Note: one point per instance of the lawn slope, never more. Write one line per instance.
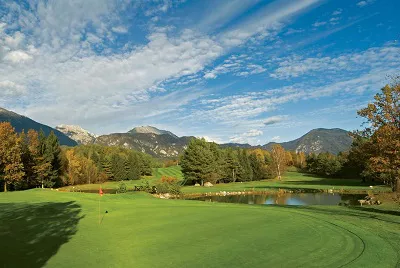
(61, 229)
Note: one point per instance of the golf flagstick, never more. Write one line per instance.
(100, 195)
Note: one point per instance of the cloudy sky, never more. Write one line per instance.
(230, 70)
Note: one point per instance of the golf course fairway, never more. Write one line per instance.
(58, 229)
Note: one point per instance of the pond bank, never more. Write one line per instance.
(274, 191)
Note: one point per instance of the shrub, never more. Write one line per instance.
(168, 180)
(168, 185)
(121, 188)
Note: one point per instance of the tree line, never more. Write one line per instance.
(374, 154)
(29, 160)
(204, 161)
(375, 151)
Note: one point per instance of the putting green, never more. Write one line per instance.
(142, 231)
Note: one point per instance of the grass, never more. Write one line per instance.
(291, 180)
(174, 171)
(59, 229)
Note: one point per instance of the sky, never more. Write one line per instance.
(229, 70)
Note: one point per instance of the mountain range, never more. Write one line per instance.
(165, 144)
(20, 123)
(319, 140)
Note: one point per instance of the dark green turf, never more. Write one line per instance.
(61, 230)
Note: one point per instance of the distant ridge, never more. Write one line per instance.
(20, 122)
(319, 140)
(150, 129)
(165, 144)
(162, 143)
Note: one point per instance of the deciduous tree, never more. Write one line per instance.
(383, 115)
(11, 166)
(278, 160)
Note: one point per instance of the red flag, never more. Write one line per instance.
(100, 192)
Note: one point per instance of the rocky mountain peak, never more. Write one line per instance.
(151, 130)
(77, 133)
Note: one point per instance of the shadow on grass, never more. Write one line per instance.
(30, 234)
(346, 181)
(382, 211)
(354, 211)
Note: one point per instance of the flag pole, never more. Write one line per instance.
(100, 194)
(99, 208)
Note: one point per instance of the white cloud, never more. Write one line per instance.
(319, 23)
(266, 19)
(253, 133)
(276, 139)
(210, 75)
(274, 120)
(221, 12)
(247, 137)
(362, 3)
(161, 6)
(119, 29)
(365, 3)
(17, 56)
(14, 41)
(295, 66)
(212, 139)
(334, 19)
(245, 110)
(337, 12)
(238, 65)
(62, 68)
(291, 31)
(9, 89)
(67, 63)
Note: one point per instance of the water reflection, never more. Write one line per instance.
(302, 199)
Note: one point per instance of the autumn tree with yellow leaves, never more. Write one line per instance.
(11, 166)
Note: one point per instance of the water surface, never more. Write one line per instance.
(294, 199)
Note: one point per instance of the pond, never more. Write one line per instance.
(291, 199)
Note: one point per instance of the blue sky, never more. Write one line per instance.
(230, 71)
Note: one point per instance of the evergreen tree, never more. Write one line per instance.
(118, 167)
(231, 165)
(256, 167)
(245, 172)
(52, 155)
(106, 166)
(146, 164)
(134, 167)
(197, 162)
(28, 162)
(41, 168)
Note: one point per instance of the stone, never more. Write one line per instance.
(208, 184)
(197, 185)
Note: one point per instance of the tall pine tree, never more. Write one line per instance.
(198, 162)
(52, 155)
